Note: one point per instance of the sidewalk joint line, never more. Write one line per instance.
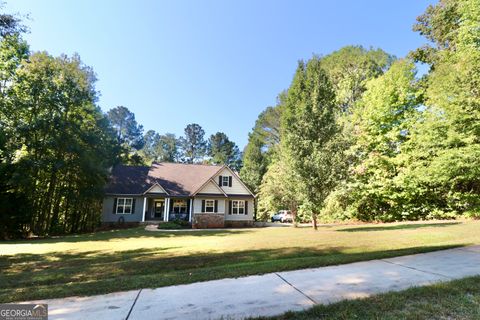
(133, 305)
(424, 271)
(291, 285)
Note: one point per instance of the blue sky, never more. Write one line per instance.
(216, 63)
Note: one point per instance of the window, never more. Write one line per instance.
(124, 205)
(238, 207)
(179, 206)
(225, 181)
(209, 205)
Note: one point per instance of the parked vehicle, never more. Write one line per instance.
(282, 216)
(277, 217)
(287, 217)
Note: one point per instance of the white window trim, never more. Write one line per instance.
(124, 206)
(208, 206)
(179, 206)
(227, 181)
(236, 207)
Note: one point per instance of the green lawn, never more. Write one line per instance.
(458, 299)
(134, 258)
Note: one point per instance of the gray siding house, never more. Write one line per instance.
(208, 196)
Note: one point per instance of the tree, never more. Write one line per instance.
(10, 24)
(444, 152)
(279, 189)
(167, 148)
(64, 145)
(193, 144)
(255, 163)
(438, 24)
(383, 122)
(262, 141)
(150, 141)
(308, 136)
(223, 151)
(350, 68)
(128, 132)
(162, 148)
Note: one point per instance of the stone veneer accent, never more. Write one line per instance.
(238, 224)
(208, 220)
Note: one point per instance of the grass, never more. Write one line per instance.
(134, 258)
(459, 299)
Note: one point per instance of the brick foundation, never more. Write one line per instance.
(238, 224)
(208, 220)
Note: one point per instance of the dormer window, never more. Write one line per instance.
(225, 181)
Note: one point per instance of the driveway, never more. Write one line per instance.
(273, 293)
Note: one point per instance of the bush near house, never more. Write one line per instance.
(174, 225)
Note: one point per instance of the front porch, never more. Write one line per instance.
(157, 208)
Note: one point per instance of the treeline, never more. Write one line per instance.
(360, 135)
(138, 148)
(55, 144)
(57, 147)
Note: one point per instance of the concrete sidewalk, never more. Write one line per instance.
(273, 293)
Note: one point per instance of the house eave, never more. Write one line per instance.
(124, 194)
(211, 195)
(240, 196)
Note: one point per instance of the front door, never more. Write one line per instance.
(159, 209)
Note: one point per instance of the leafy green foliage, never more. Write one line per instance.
(383, 121)
(350, 68)
(174, 225)
(223, 151)
(309, 131)
(193, 144)
(262, 142)
(396, 147)
(63, 143)
(277, 190)
(128, 132)
(161, 148)
(56, 145)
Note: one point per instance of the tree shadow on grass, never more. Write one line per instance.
(400, 227)
(139, 232)
(61, 274)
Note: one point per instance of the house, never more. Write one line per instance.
(208, 196)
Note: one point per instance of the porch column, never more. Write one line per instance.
(165, 211)
(144, 208)
(190, 211)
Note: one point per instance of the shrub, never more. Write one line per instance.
(174, 225)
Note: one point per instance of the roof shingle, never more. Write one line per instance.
(178, 179)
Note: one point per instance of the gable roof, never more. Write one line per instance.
(234, 173)
(177, 179)
(211, 182)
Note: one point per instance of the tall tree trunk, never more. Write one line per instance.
(53, 222)
(293, 210)
(47, 203)
(314, 221)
